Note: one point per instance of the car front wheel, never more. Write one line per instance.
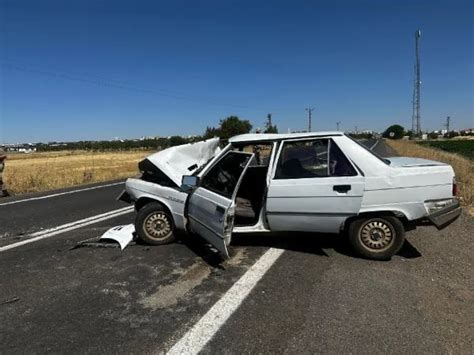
(377, 238)
(154, 225)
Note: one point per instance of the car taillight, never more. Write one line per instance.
(455, 188)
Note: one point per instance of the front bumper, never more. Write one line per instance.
(445, 216)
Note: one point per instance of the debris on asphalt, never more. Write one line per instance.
(121, 234)
(10, 300)
(95, 243)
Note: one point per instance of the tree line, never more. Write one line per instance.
(397, 131)
(228, 127)
(145, 144)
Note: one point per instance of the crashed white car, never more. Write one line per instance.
(320, 182)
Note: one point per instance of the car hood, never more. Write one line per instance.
(184, 159)
(412, 162)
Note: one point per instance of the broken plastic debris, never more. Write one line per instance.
(121, 234)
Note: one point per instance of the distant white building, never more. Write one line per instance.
(27, 150)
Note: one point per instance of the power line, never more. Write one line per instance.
(100, 81)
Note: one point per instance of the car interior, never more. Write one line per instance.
(301, 159)
(250, 196)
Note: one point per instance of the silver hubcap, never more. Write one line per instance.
(157, 225)
(376, 235)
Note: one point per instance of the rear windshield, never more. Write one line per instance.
(386, 161)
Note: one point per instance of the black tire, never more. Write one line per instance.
(154, 224)
(377, 238)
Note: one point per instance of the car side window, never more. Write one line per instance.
(312, 159)
(223, 177)
(339, 165)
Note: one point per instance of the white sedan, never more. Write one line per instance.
(322, 182)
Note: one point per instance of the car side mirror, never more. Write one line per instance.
(189, 182)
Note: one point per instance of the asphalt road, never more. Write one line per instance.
(317, 296)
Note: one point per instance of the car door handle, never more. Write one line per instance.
(341, 188)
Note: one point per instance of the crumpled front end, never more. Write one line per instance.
(167, 167)
(175, 162)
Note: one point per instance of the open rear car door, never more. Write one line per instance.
(210, 208)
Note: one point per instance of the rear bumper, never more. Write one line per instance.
(445, 216)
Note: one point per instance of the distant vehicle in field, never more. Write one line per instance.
(312, 182)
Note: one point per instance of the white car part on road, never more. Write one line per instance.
(121, 234)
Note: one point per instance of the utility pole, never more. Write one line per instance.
(310, 111)
(448, 120)
(269, 120)
(337, 124)
(416, 115)
(356, 129)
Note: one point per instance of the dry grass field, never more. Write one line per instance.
(52, 170)
(463, 167)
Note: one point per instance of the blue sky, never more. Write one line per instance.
(100, 69)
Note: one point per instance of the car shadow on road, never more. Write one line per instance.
(203, 250)
(409, 251)
(308, 243)
(311, 243)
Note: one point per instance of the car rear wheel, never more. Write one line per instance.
(377, 238)
(154, 224)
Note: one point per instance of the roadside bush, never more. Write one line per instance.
(394, 132)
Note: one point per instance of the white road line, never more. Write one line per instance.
(375, 144)
(68, 227)
(60, 194)
(203, 331)
(85, 220)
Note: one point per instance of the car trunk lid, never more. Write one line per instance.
(412, 162)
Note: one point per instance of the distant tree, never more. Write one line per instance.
(177, 140)
(408, 133)
(433, 135)
(228, 127)
(271, 129)
(232, 126)
(451, 134)
(211, 132)
(394, 132)
(362, 135)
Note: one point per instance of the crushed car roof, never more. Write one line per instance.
(253, 137)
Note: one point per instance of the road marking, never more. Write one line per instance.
(375, 144)
(68, 227)
(60, 194)
(203, 331)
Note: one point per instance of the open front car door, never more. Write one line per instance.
(211, 206)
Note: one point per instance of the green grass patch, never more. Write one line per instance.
(461, 147)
